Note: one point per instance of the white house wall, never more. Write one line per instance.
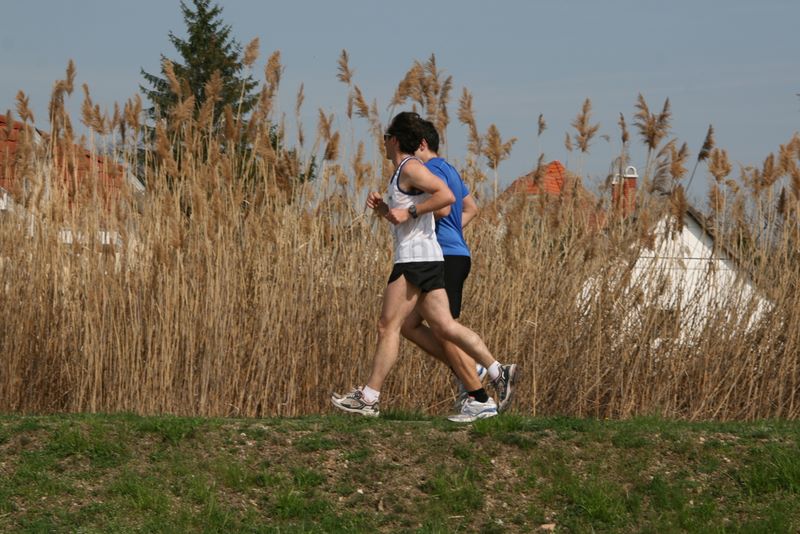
(686, 274)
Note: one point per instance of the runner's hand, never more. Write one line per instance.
(398, 215)
(375, 202)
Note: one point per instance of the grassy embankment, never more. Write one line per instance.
(404, 472)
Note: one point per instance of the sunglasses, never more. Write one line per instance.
(387, 136)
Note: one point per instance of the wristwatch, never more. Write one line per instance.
(413, 211)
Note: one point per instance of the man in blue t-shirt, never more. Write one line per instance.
(450, 222)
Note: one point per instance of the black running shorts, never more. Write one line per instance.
(456, 270)
(426, 275)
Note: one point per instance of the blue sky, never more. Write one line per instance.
(732, 63)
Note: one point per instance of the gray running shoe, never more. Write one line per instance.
(462, 391)
(354, 402)
(473, 410)
(504, 385)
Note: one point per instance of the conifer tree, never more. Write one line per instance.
(208, 47)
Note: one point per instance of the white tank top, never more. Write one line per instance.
(415, 239)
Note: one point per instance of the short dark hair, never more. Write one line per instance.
(430, 135)
(406, 126)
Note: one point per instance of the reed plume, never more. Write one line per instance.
(9, 124)
(467, 117)
(345, 75)
(332, 148)
(442, 119)
(361, 169)
(431, 88)
(660, 182)
(623, 128)
(794, 170)
(708, 144)
(324, 125)
(212, 94)
(361, 107)
(182, 113)
(678, 206)
(705, 151)
(23, 108)
(297, 107)
(719, 166)
(770, 172)
(91, 116)
(496, 150)
(273, 72)
(424, 84)
(678, 159)
(716, 199)
(783, 204)
(652, 127)
(585, 130)
(251, 52)
(69, 80)
(169, 71)
(410, 87)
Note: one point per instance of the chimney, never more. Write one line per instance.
(623, 191)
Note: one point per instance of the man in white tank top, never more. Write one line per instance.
(417, 278)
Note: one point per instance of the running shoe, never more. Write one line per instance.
(354, 402)
(504, 385)
(462, 391)
(473, 410)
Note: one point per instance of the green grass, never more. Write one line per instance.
(408, 473)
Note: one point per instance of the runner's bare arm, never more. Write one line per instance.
(416, 176)
(468, 211)
(442, 212)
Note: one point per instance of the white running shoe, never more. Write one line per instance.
(504, 385)
(354, 402)
(462, 391)
(473, 410)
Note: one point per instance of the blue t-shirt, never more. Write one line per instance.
(448, 229)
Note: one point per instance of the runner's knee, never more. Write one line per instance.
(409, 325)
(387, 326)
(445, 328)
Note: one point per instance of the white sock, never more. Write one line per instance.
(494, 370)
(370, 395)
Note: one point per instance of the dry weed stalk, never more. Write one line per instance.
(585, 130)
(345, 74)
(652, 127)
(623, 128)
(251, 52)
(23, 108)
(719, 167)
(297, 107)
(467, 117)
(496, 150)
(704, 153)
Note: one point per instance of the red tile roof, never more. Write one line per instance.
(78, 166)
(9, 139)
(557, 183)
(552, 181)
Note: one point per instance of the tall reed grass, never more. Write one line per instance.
(240, 290)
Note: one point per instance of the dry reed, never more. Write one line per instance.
(259, 297)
